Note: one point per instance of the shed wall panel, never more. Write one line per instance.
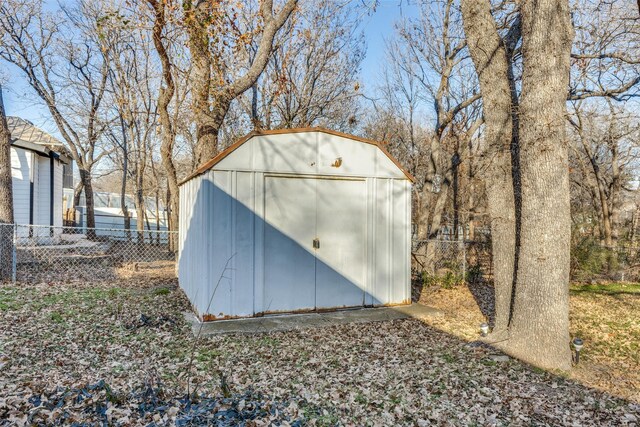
(289, 153)
(289, 261)
(357, 158)
(193, 268)
(242, 297)
(400, 235)
(259, 303)
(218, 237)
(338, 155)
(311, 153)
(42, 203)
(382, 243)
(58, 194)
(341, 229)
(20, 169)
(371, 242)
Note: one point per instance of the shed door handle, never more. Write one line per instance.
(316, 243)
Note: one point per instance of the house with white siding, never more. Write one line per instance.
(39, 164)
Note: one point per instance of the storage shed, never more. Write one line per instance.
(295, 220)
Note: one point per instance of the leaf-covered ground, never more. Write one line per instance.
(119, 353)
(605, 316)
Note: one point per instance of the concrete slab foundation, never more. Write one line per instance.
(287, 322)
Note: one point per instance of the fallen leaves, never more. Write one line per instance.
(605, 318)
(118, 353)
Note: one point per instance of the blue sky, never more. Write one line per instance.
(20, 101)
(377, 28)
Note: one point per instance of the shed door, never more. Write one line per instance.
(341, 257)
(298, 211)
(289, 261)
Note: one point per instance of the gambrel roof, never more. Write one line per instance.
(224, 154)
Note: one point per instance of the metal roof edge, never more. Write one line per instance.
(31, 146)
(42, 150)
(216, 159)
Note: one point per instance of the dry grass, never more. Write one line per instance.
(606, 317)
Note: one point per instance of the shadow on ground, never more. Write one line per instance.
(484, 295)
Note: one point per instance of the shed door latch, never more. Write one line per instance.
(316, 243)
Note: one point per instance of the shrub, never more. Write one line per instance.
(444, 278)
(590, 260)
(474, 274)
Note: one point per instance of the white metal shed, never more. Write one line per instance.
(295, 220)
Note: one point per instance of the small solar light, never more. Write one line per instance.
(484, 328)
(577, 345)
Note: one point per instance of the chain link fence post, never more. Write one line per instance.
(6, 252)
(14, 254)
(464, 259)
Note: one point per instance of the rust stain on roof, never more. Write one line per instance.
(216, 159)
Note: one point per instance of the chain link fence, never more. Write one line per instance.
(33, 253)
(450, 262)
(593, 262)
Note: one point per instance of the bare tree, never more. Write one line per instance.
(133, 85)
(606, 52)
(605, 72)
(6, 195)
(121, 142)
(67, 67)
(311, 77)
(606, 152)
(492, 58)
(167, 126)
(429, 65)
(6, 183)
(536, 311)
(214, 85)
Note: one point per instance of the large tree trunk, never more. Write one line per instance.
(6, 197)
(123, 195)
(140, 202)
(207, 143)
(168, 131)
(208, 113)
(207, 128)
(85, 177)
(539, 329)
(535, 310)
(6, 182)
(490, 58)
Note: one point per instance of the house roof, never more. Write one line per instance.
(25, 134)
(215, 160)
